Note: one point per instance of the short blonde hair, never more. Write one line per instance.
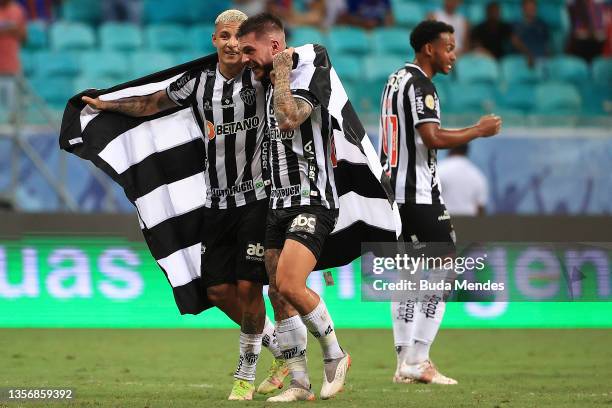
(231, 16)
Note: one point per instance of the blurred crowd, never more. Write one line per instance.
(590, 32)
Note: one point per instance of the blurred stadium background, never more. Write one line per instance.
(71, 255)
(552, 160)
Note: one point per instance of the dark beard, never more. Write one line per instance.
(267, 69)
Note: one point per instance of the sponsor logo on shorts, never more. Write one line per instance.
(445, 216)
(255, 252)
(238, 188)
(304, 223)
(286, 191)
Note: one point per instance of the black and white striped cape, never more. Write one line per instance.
(160, 161)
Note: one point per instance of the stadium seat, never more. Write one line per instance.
(147, 62)
(519, 97)
(602, 71)
(477, 68)
(349, 40)
(408, 15)
(71, 36)
(306, 35)
(379, 67)
(392, 41)
(442, 91)
(187, 56)
(348, 68)
(104, 64)
(36, 36)
(57, 64)
(470, 98)
(166, 11)
(515, 70)
(167, 37)
(555, 15)
(204, 11)
(55, 91)
(596, 99)
(567, 68)
(87, 11)
(557, 98)
(120, 36)
(200, 38)
(367, 95)
(97, 82)
(28, 62)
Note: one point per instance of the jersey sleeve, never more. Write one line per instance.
(183, 90)
(422, 98)
(300, 81)
(305, 95)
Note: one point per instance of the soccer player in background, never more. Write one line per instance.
(228, 102)
(303, 204)
(410, 136)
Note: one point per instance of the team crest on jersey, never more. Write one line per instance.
(210, 129)
(248, 95)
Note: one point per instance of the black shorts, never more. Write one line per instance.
(309, 225)
(426, 223)
(234, 244)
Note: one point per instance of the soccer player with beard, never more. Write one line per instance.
(303, 204)
(410, 136)
(228, 102)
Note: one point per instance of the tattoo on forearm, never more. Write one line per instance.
(290, 112)
(135, 106)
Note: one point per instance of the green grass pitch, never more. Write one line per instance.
(193, 368)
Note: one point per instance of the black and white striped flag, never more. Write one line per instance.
(160, 160)
(368, 212)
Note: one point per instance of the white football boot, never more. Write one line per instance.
(334, 375)
(425, 372)
(295, 392)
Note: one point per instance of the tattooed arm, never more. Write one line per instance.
(145, 105)
(290, 112)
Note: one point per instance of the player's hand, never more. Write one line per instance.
(489, 125)
(283, 59)
(94, 103)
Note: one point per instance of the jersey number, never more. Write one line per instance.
(389, 131)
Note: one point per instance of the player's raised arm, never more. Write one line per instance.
(436, 137)
(290, 111)
(137, 106)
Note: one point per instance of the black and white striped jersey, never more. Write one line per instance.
(409, 99)
(230, 113)
(301, 159)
